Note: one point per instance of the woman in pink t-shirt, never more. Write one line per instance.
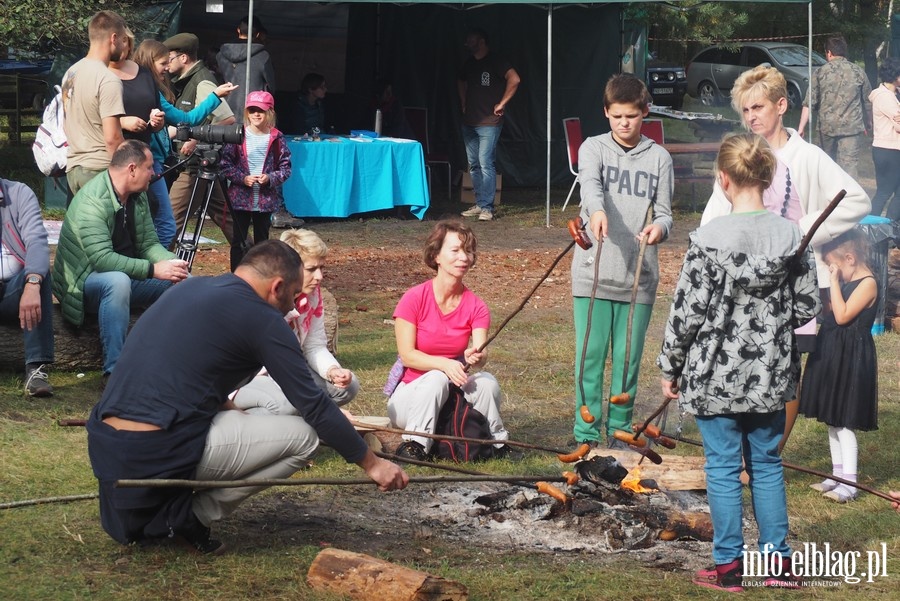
(439, 324)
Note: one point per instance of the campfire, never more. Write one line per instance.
(634, 482)
(605, 513)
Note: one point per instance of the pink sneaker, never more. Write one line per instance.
(725, 577)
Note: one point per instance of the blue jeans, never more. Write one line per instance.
(481, 142)
(164, 219)
(887, 178)
(754, 438)
(111, 295)
(38, 340)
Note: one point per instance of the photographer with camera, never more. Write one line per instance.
(256, 169)
(192, 82)
(109, 258)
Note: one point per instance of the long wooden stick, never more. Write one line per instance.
(206, 484)
(634, 290)
(512, 443)
(806, 470)
(528, 296)
(46, 500)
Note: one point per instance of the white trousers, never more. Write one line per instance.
(415, 406)
(241, 446)
(263, 396)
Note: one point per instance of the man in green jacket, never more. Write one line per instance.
(109, 258)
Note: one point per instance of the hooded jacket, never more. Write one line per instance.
(624, 185)
(86, 244)
(232, 60)
(729, 340)
(818, 179)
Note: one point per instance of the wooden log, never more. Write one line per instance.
(674, 473)
(75, 348)
(363, 577)
(80, 348)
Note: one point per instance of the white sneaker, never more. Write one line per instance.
(485, 215)
(475, 211)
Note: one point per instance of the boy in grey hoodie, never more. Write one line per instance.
(623, 174)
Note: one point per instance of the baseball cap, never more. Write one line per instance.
(260, 99)
(183, 42)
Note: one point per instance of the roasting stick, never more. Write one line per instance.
(624, 396)
(542, 486)
(801, 249)
(512, 443)
(805, 470)
(206, 484)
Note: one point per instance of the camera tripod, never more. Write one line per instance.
(188, 243)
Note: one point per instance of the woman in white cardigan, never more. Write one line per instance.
(307, 320)
(760, 97)
(805, 181)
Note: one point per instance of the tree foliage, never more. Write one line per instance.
(679, 29)
(44, 26)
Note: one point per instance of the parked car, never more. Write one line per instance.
(667, 83)
(29, 77)
(711, 74)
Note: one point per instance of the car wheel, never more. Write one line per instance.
(707, 94)
(794, 98)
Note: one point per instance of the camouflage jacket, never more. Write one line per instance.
(840, 95)
(729, 339)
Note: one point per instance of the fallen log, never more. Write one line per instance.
(80, 348)
(363, 577)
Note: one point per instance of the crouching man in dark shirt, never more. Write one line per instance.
(164, 415)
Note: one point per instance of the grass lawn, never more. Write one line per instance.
(59, 551)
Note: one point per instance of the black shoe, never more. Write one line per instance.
(411, 450)
(36, 381)
(509, 453)
(197, 535)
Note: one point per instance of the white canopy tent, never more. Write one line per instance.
(550, 5)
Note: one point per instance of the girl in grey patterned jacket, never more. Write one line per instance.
(729, 351)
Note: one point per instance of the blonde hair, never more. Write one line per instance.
(306, 242)
(767, 82)
(270, 116)
(747, 160)
(129, 35)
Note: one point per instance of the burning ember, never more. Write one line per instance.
(634, 482)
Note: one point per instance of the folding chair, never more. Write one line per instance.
(417, 117)
(653, 129)
(572, 128)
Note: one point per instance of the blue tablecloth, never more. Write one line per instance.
(337, 177)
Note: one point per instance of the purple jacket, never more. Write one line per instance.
(277, 166)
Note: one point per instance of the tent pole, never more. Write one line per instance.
(249, 53)
(549, 97)
(811, 129)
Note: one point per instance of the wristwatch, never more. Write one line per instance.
(34, 279)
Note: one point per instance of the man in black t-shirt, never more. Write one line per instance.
(166, 413)
(486, 84)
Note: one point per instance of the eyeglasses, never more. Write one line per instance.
(175, 55)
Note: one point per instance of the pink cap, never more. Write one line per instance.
(260, 99)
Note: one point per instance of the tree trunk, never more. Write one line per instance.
(367, 578)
